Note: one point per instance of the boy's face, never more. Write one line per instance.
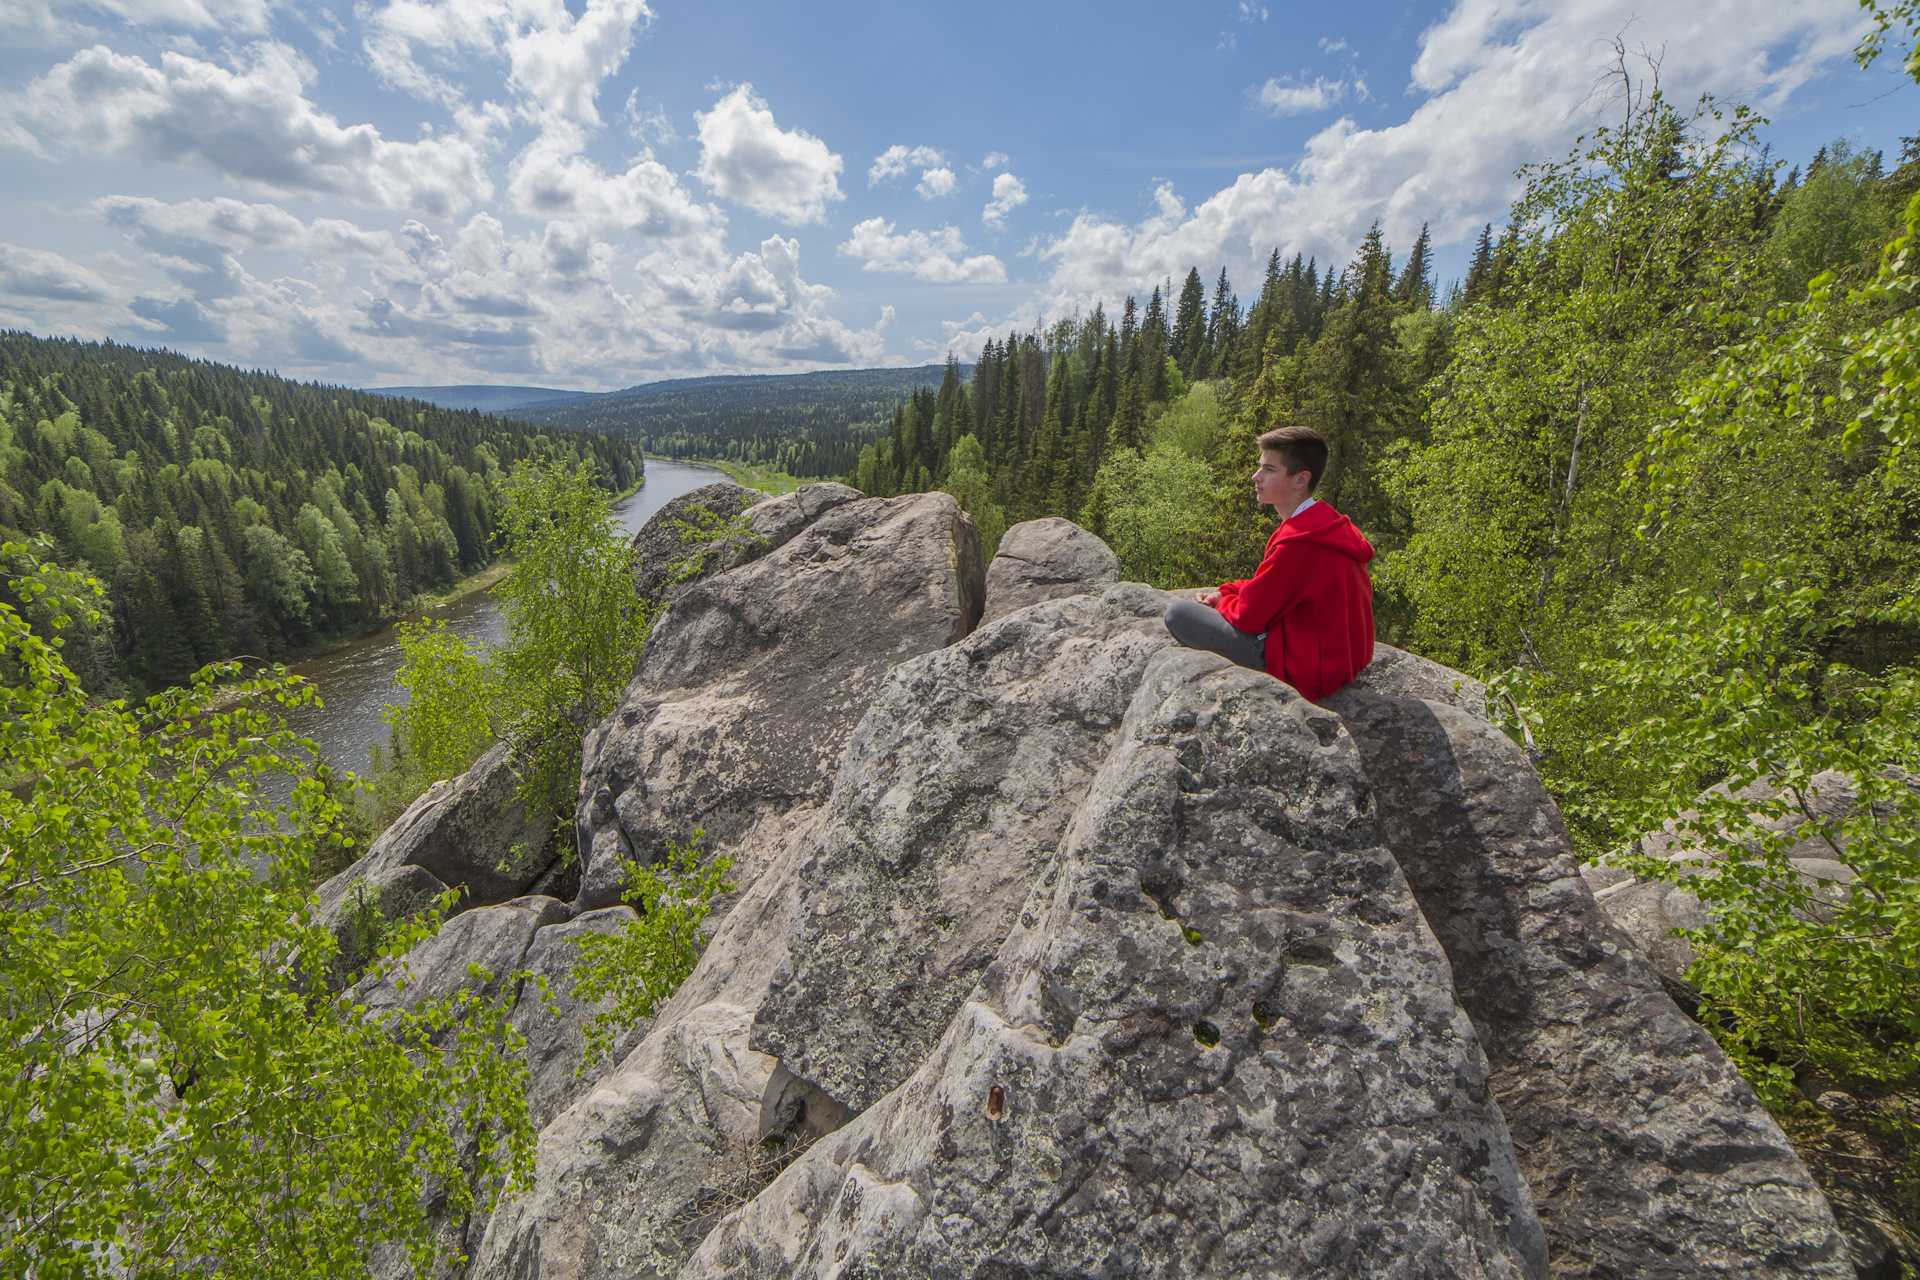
(1275, 486)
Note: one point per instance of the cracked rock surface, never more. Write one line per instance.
(1219, 1039)
(1594, 1066)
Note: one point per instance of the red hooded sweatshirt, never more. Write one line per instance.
(1312, 597)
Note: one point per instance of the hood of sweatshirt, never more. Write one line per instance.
(1324, 527)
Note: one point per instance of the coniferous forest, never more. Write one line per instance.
(809, 425)
(232, 512)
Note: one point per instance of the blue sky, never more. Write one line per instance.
(592, 193)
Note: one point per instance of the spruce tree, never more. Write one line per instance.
(1414, 288)
(1189, 339)
(1223, 329)
(1153, 349)
(1479, 274)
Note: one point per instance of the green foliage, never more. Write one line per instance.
(1834, 220)
(636, 968)
(450, 717)
(1731, 687)
(180, 1090)
(313, 517)
(575, 631)
(810, 425)
(1629, 256)
(1192, 424)
(1156, 514)
(1903, 13)
(575, 624)
(968, 483)
(702, 537)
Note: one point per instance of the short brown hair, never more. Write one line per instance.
(1299, 447)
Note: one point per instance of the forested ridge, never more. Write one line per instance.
(805, 424)
(235, 512)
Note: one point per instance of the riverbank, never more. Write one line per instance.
(766, 479)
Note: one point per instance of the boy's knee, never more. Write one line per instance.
(1178, 620)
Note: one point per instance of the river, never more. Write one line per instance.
(355, 682)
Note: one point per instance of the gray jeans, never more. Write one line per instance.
(1200, 626)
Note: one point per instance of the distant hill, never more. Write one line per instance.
(808, 424)
(483, 398)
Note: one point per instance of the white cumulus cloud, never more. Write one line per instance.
(1507, 82)
(555, 61)
(552, 178)
(748, 158)
(251, 122)
(1287, 97)
(897, 159)
(935, 183)
(37, 273)
(1009, 193)
(938, 256)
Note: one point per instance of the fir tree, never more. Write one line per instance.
(1479, 274)
(1189, 339)
(1414, 288)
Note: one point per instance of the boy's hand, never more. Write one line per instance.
(1211, 599)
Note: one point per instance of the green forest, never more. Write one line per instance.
(232, 512)
(810, 425)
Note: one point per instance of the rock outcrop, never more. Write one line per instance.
(720, 527)
(1058, 950)
(754, 678)
(1217, 1039)
(468, 833)
(1593, 1064)
(682, 539)
(1044, 560)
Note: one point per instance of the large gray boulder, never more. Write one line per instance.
(1219, 1040)
(470, 833)
(1646, 1153)
(630, 1176)
(678, 543)
(753, 679)
(721, 527)
(1061, 951)
(952, 797)
(478, 951)
(554, 1021)
(773, 522)
(358, 911)
(1395, 673)
(1042, 560)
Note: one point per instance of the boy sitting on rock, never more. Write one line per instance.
(1306, 614)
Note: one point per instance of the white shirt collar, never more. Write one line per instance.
(1302, 507)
